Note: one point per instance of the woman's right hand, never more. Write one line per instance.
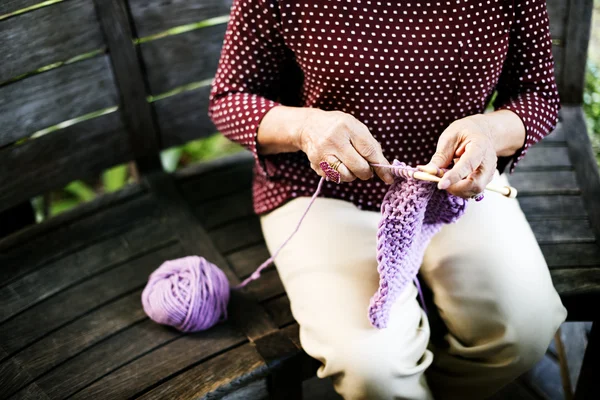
(326, 136)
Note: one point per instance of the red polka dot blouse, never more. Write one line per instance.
(406, 69)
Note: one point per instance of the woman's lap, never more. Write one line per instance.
(487, 274)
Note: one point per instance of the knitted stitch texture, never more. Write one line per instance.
(412, 212)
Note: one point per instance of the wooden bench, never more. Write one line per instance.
(71, 322)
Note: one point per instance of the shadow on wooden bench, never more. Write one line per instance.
(71, 322)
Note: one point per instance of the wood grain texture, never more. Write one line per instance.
(237, 235)
(60, 236)
(184, 117)
(145, 372)
(56, 159)
(31, 392)
(131, 273)
(557, 13)
(535, 183)
(32, 40)
(584, 162)
(225, 210)
(544, 207)
(189, 57)
(579, 18)
(557, 136)
(105, 358)
(571, 281)
(268, 286)
(279, 309)
(558, 53)
(214, 378)
(244, 262)
(154, 16)
(562, 231)
(545, 157)
(571, 255)
(137, 113)
(55, 96)
(71, 340)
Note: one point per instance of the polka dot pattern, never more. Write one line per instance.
(405, 69)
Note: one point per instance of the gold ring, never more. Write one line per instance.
(335, 165)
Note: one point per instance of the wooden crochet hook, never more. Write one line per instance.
(507, 191)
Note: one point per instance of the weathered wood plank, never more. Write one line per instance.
(546, 157)
(202, 183)
(66, 234)
(70, 340)
(584, 162)
(579, 18)
(137, 113)
(104, 255)
(163, 363)
(31, 392)
(572, 281)
(131, 273)
(105, 358)
(184, 117)
(56, 159)
(558, 53)
(225, 210)
(189, 57)
(557, 13)
(245, 261)
(237, 235)
(255, 391)
(541, 207)
(55, 96)
(571, 255)
(532, 183)
(268, 286)
(32, 40)
(562, 231)
(155, 16)
(279, 309)
(214, 378)
(557, 135)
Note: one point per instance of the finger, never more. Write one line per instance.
(370, 149)
(444, 154)
(473, 184)
(468, 163)
(346, 174)
(355, 163)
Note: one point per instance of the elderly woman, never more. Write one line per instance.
(397, 80)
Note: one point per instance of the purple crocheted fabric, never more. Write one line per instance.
(411, 213)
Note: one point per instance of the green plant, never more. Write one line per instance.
(591, 105)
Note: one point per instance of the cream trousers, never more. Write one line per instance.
(490, 284)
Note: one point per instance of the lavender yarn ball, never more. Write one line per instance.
(188, 293)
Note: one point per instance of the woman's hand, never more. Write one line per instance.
(325, 136)
(474, 144)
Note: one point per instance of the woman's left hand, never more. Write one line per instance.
(469, 142)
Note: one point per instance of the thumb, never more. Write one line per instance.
(442, 158)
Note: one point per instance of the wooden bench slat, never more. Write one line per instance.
(245, 261)
(184, 117)
(558, 53)
(69, 341)
(532, 183)
(31, 392)
(538, 207)
(562, 231)
(571, 255)
(55, 96)
(225, 210)
(68, 238)
(268, 286)
(546, 157)
(154, 16)
(48, 35)
(557, 13)
(144, 372)
(104, 287)
(214, 378)
(54, 160)
(279, 309)
(237, 235)
(570, 281)
(105, 357)
(558, 135)
(180, 59)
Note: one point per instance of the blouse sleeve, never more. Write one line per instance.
(527, 85)
(246, 84)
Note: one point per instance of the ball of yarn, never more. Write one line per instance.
(188, 293)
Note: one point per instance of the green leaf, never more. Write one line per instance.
(114, 178)
(61, 206)
(170, 158)
(80, 191)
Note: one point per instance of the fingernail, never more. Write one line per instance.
(444, 184)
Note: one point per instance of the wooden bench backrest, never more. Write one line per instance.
(139, 85)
